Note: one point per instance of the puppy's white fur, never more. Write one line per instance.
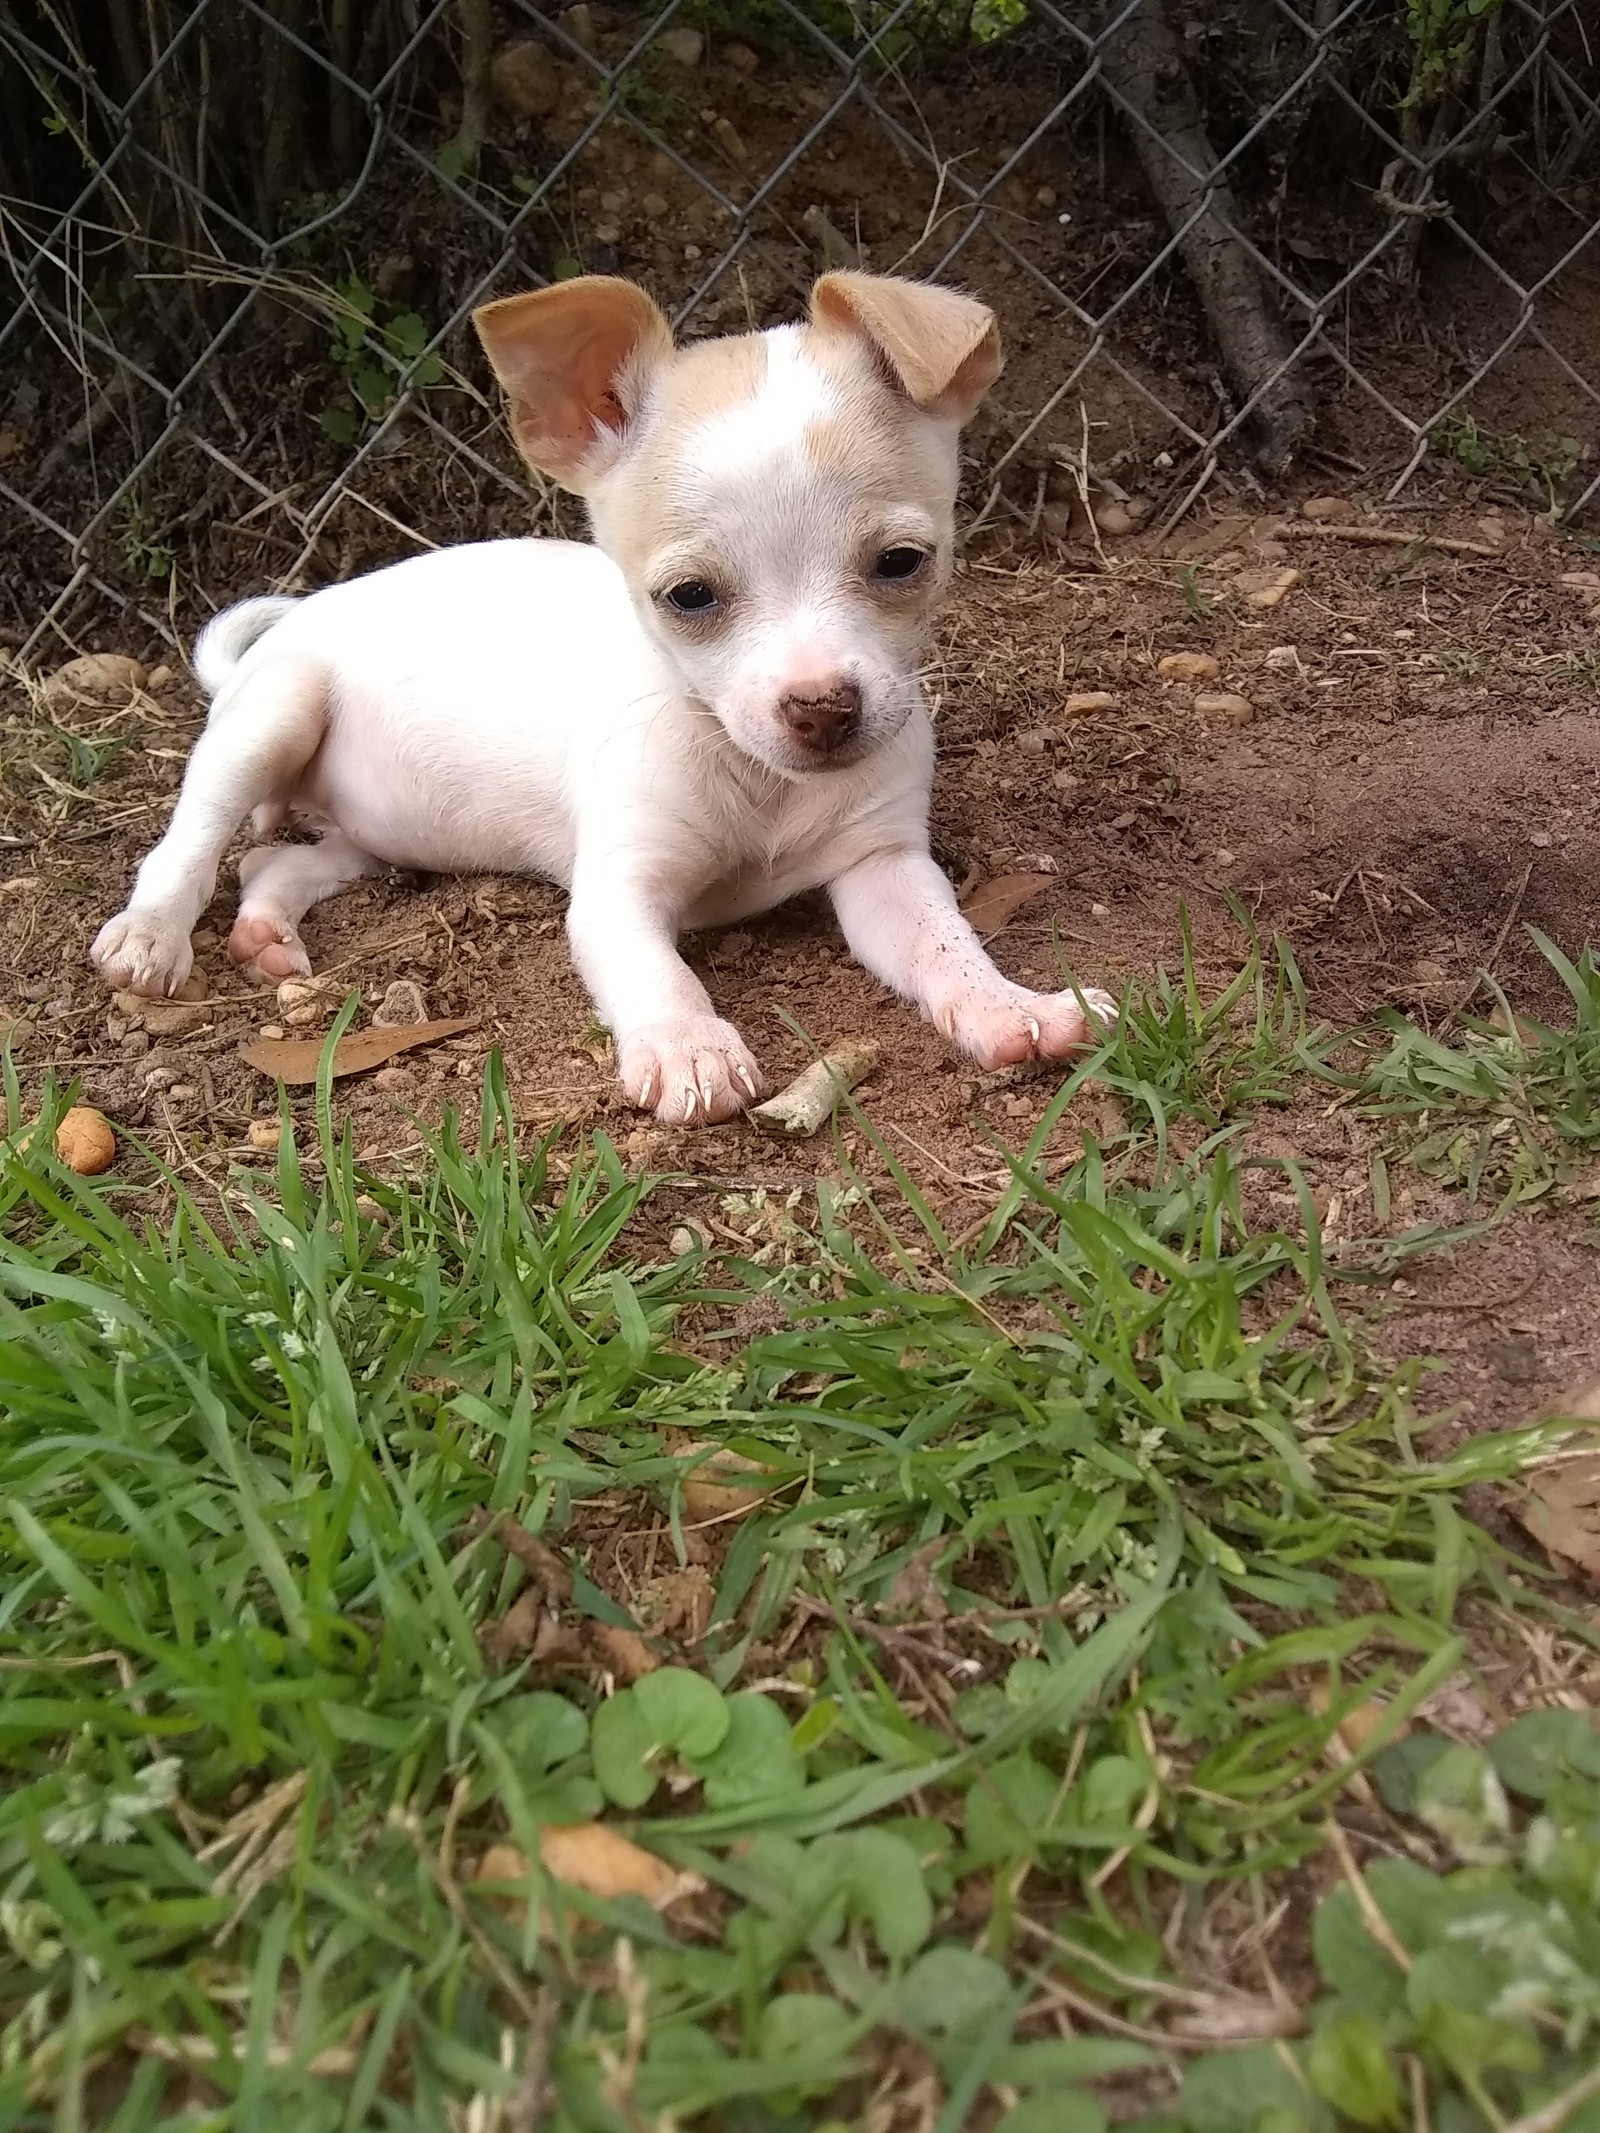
(545, 707)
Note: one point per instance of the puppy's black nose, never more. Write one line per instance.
(826, 722)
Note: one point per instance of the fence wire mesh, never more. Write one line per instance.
(240, 242)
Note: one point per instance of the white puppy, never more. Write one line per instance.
(714, 708)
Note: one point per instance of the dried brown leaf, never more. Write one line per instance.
(1352, 1733)
(516, 1633)
(994, 904)
(296, 1059)
(595, 1858)
(720, 1487)
(624, 1651)
(1562, 1506)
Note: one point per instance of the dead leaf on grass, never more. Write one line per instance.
(624, 1651)
(721, 1487)
(296, 1059)
(915, 1592)
(679, 1603)
(1562, 1506)
(1233, 2016)
(516, 1633)
(994, 904)
(592, 1857)
(1351, 1735)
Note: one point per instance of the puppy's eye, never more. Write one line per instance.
(692, 597)
(896, 565)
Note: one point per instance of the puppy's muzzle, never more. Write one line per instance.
(823, 724)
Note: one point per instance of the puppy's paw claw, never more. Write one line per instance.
(693, 1072)
(1007, 1028)
(139, 951)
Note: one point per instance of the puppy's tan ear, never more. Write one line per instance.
(941, 348)
(574, 360)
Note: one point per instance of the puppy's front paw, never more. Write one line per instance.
(140, 951)
(267, 948)
(690, 1072)
(1004, 1028)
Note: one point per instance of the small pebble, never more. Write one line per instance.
(1099, 910)
(741, 58)
(525, 80)
(1188, 666)
(1115, 521)
(264, 1133)
(393, 1078)
(1083, 701)
(1285, 658)
(682, 1242)
(1327, 508)
(1272, 594)
(1225, 705)
(1066, 781)
(1031, 742)
(683, 46)
(401, 1006)
(578, 22)
(85, 1141)
(729, 140)
(1541, 840)
(1223, 858)
(159, 677)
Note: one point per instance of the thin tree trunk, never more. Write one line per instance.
(1144, 68)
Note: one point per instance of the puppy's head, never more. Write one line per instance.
(781, 504)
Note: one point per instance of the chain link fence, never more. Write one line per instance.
(1231, 243)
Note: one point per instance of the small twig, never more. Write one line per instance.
(536, 1556)
(1500, 939)
(365, 955)
(1160, 2039)
(1551, 2116)
(1379, 537)
(408, 1822)
(1188, 500)
(526, 2110)
(1371, 1917)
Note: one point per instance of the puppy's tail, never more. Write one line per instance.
(228, 636)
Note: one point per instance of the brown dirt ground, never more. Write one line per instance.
(1416, 784)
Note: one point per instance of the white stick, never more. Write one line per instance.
(808, 1102)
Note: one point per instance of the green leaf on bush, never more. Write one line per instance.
(1349, 1958)
(1065, 2111)
(755, 1760)
(888, 1890)
(1460, 1796)
(804, 2021)
(1544, 1749)
(1349, 2066)
(670, 1712)
(1008, 1807)
(949, 1988)
(1253, 2091)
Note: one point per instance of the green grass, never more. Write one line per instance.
(1513, 1107)
(1079, 1542)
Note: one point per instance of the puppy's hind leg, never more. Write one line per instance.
(281, 882)
(263, 731)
